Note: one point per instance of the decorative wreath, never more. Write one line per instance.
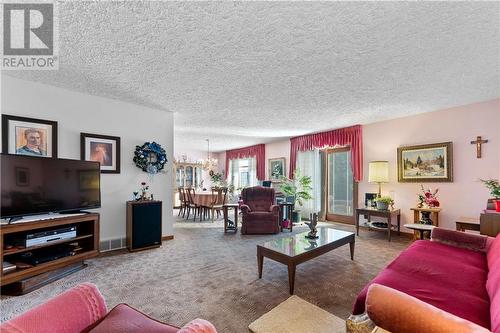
(150, 157)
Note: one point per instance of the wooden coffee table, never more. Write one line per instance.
(296, 249)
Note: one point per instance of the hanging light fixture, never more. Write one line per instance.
(209, 163)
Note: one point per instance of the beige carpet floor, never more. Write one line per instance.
(206, 273)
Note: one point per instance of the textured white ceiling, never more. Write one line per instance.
(249, 72)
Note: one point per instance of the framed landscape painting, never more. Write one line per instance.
(29, 136)
(277, 168)
(426, 163)
(104, 149)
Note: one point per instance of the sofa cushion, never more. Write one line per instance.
(125, 319)
(493, 283)
(449, 278)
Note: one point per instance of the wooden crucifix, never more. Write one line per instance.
(479, 142)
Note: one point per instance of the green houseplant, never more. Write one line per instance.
(299, 187)
(383, 203)
(494, 187)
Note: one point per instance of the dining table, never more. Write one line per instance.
(204, 198)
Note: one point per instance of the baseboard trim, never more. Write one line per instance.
(166, 238)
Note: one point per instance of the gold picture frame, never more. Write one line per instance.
(429, 163)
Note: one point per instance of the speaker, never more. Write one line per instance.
(143, 225)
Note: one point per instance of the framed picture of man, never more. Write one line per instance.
(29, 136)
(104, 149)
(276, 168)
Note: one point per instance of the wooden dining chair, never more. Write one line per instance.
(182, 199)
(218, 200)
(191, 203)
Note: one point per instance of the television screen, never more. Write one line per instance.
(38, 185)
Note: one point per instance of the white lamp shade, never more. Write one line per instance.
(378, 172)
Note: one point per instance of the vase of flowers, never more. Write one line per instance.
(383, 203)
(494, 188)
(428, 198)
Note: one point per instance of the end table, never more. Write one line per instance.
(228, 224)
(286, 207)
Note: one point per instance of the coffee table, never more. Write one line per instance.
(296, 249)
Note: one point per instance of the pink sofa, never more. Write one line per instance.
(259, 213)
(82, 309)
(448, 284)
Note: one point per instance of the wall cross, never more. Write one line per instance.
(479, 143)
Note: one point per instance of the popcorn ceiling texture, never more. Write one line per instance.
(250, 72)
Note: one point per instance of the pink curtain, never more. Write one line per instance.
(257, 151)
(348, 136)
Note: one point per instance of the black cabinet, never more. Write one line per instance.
(143, 225)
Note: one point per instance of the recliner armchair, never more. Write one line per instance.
(260, 214)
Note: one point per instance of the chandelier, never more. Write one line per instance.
(209, 162)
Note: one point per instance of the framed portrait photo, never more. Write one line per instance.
(104, 149)
(277, 168)
(29, 136)
(426, 163)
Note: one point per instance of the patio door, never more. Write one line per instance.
(341, 190)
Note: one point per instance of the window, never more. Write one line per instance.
(243, 172)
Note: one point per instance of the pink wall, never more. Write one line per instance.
(466, 196)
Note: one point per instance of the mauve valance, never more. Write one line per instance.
(348, 136)
(257, 151)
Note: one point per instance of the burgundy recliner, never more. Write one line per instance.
(260, 214)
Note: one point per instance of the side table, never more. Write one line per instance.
(421, 228)
(286, 207)
(228, 224)
(434, 214)
(467, 223)
(388, 214)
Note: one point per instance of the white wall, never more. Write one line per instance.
(75, 113)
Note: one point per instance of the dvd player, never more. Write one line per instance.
(47, 236)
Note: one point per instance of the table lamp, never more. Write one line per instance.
(378, 172)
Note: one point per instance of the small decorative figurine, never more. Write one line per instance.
(312, 226)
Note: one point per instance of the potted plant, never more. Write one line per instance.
(383, 203)
(299, 188)
(494, 188)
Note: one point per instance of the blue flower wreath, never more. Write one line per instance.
(150, 157)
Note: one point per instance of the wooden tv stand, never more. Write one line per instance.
(24, 280)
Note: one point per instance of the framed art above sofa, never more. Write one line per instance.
(426, 163)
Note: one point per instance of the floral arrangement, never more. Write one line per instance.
(150, 157)
(493, 186)
(428, 198)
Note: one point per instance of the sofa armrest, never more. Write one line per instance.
(398, 312)
(69, 312)
(245, 209)
(460, 239)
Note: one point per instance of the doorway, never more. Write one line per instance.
(340, 188)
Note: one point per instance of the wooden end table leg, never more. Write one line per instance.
(224, 212)
(291, 277)
(235, 219)
(389, 227)
(399, 224)
(351, 247)
(357, 224)
(260, 263)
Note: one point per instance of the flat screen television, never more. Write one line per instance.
(38, 185)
